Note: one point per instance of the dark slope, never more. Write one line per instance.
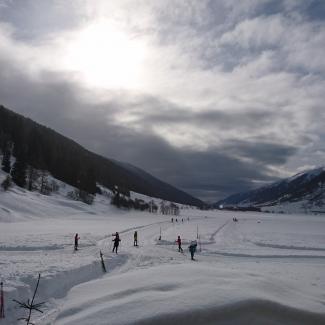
(156, 183)
(66, 160)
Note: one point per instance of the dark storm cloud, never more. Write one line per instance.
(261, 151)
(216, 172)
(172, 114)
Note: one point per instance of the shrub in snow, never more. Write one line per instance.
(171, 208)
(86, 197)
(73, 195)
(54, 186)
(79, 195)
(120, 201)
(6, 183)
(116, 199)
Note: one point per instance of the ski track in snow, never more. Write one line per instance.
(213, 235)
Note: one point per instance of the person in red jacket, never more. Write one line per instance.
(179, 242)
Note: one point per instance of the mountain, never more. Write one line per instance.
(303, 192)
(45, 149)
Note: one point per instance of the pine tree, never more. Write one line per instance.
(32, 176)
(88, 181)
(6, 163)
(44, 188)
(18, 171)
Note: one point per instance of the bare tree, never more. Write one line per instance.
(30, 306)
(44, 186)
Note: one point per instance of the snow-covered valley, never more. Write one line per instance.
(263, 269)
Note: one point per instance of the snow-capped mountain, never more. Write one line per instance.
(303, 192)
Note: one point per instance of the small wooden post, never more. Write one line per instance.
(200, 243)
(2, 306)
(102, 261)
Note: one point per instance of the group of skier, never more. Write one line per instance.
(172, 219)
(116, 240)
(192, 247)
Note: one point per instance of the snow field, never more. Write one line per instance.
(264, 269)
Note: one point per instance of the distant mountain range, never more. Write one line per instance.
(304, 192)
(44, 148)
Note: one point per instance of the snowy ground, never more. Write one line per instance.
(264, 269)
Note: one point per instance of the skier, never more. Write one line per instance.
(172, 220)
(76, 239)
(179, 242)
(135, 243)
(116, 241)
(192, 248)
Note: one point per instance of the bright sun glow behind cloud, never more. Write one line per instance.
(106, 57)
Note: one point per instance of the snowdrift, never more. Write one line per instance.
(187, 294)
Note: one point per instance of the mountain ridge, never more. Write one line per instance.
(304, 191)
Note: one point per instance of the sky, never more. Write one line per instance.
(214, 97)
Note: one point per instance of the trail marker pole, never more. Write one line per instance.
(197, 232)
(102, 261)
(2, 306)
(160, 233)
(200, 243)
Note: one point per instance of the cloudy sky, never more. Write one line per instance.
(214, 97)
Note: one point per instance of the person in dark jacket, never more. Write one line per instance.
(192, 248)
(135, 236)
(76, 243)
(179, 242)
(116, 241)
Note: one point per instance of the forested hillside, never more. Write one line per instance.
(42, 148)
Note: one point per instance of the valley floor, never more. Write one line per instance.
(263, 269)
